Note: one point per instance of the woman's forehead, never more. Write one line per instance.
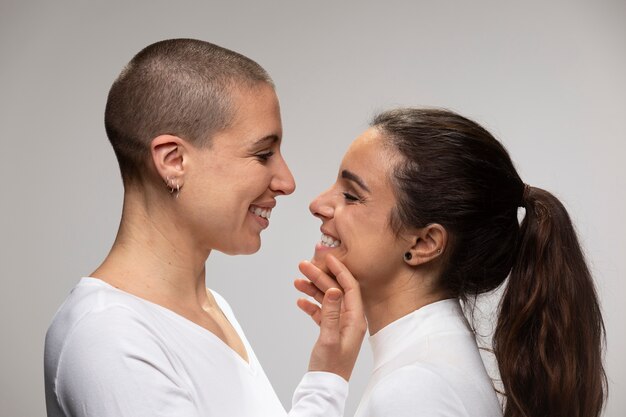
(369, 158)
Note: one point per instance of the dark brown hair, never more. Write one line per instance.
(550, 333)
(179, 86)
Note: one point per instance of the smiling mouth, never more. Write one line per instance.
(260, 211)
(329, 241)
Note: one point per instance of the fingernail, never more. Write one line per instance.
(334, 296)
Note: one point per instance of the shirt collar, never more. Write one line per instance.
(411, 330)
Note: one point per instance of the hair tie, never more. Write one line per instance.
(525, 194)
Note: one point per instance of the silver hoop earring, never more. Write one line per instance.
(168, 184)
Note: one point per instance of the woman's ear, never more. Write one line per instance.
(168, 154)
(427, 244)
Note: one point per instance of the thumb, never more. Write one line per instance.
(331, 314)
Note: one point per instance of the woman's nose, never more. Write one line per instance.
(321, 206)
(283, 182)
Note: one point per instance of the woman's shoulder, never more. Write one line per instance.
(92, 296)
(431, 389)
(414, 387)
(93, 310)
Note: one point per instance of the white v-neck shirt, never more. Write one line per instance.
(427, 364)
(111, 354)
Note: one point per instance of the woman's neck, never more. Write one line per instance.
(396, 298)
(152, 258)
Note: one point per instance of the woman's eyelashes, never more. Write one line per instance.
(351, 198)
(264, 156)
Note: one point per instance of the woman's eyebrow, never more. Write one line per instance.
(353, 177)
(267, 140)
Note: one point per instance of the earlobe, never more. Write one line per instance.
(428, 244)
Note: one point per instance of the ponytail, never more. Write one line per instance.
(549, 336)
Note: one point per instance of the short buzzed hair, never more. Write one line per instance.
(181, 87)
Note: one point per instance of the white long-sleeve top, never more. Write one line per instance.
(427, 364)
(111, 354)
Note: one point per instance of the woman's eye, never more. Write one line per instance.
(264, 156)
(350, 197)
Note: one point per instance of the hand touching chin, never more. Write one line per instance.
(320, 262)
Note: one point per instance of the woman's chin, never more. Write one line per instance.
(320, 262)
(319, 259)
(247, 248)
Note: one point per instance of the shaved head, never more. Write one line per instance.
(181, 87)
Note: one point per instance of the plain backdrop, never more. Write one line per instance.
(548, 78)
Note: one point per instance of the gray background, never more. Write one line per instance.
(546, 77)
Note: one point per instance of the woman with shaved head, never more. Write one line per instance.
(196, 129)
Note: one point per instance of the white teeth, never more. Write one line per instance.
(328, 241)
(265, 213)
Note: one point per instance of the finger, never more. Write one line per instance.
(350, 285)
(318, 277)
(330, 326)
(354, 321)
(311, 309)
(305, 286)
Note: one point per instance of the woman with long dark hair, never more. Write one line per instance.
(424, 213)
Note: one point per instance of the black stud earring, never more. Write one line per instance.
(408, 256)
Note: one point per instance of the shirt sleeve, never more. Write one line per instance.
(112, 365)
(320, 394)
(415, 391)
